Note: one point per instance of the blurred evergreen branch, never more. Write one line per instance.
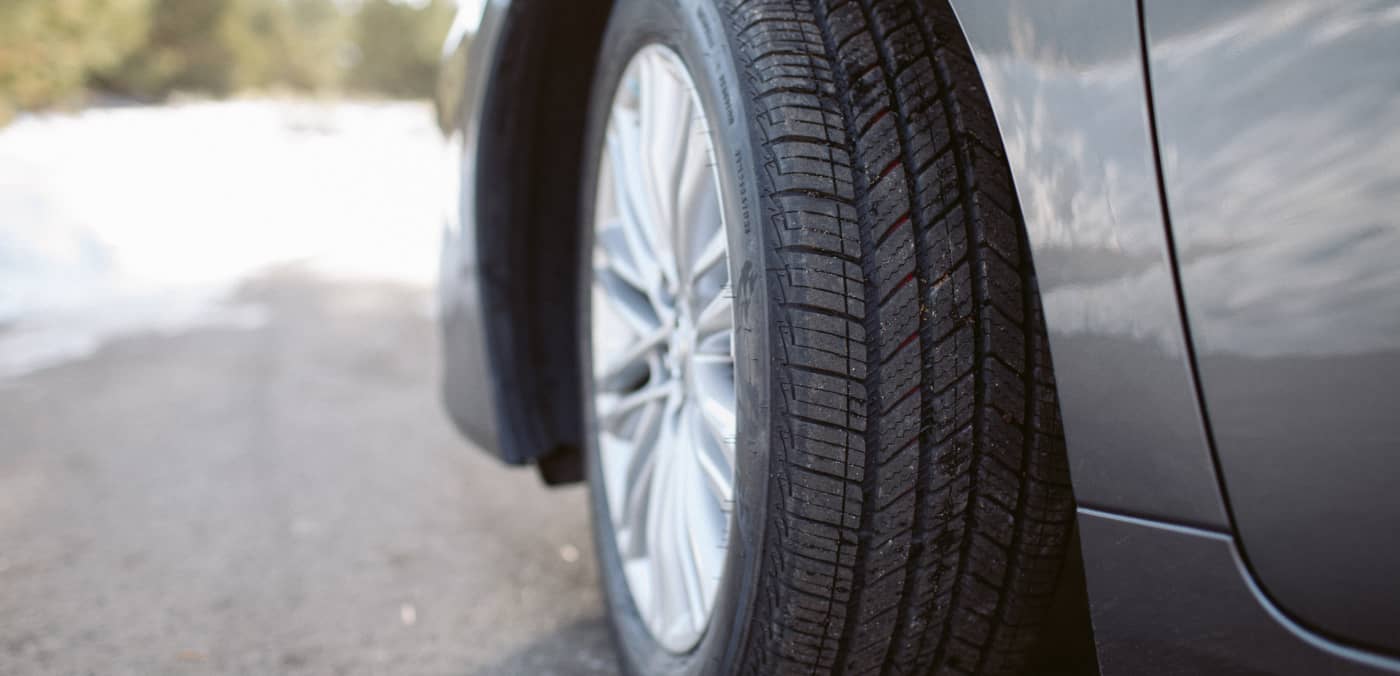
(54, 52)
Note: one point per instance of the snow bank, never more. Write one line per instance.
(122, 220)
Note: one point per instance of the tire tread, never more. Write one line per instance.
(919, 496)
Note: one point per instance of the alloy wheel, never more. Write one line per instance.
(663, 348)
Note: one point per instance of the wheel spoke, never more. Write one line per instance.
(711, 496)
(631, 402)
(699, 222)
(626, 304)
(661, 530)
(665, 104)
(715, 457)
(630, 468)
(715, 398)
(717, 316)
(613, 253)
(710, 254)
(663, 360)
(688, 518)
(630, 358)
(715, 351)
(636, 211)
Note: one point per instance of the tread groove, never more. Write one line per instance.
(918, 498)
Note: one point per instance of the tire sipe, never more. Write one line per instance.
(900, 499)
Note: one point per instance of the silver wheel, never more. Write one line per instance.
(663, 348)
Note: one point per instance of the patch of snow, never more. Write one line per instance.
(122, 220)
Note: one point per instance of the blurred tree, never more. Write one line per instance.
(221, 46)
(48, 47)
(316, 48)
(51, 50)
(185, 49)
(398, 46)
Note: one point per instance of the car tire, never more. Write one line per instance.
(901, 500)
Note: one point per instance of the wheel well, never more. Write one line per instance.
(528, 175)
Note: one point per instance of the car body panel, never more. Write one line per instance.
(1279, 126)
(1067, 85)
(1174, 600)
(468, 389)
(509, 282)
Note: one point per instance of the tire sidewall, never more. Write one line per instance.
(696, 31)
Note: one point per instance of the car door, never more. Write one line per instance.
(1279, 137)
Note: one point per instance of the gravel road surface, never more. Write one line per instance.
(221, 448)
(284, 499)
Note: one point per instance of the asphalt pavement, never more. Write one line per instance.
(279, 497)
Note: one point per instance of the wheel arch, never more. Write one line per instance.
(528, 156)
(528, 161)
(528, 171)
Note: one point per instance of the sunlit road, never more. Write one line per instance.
(212, 462)
(279, 500)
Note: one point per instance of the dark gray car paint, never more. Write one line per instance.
(1066, 82)
(1166, 599)
(1175, 600)
(1279, 126)
(515, 388)
(468, 57)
